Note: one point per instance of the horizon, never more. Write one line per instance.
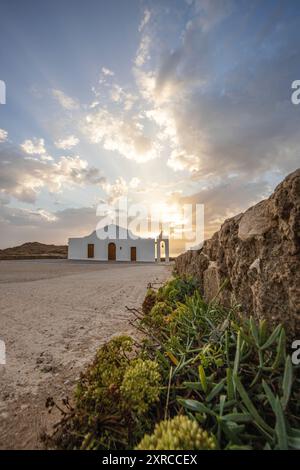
(162, 102)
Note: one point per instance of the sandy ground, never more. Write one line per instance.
(53, 316)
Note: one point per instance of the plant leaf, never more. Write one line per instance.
(270, 396)
(287, 382)
(230, 389)
(237, 355)
(281, 350)
(294, 432)
(222, 404)
(294, 442)
(172, 357)
(280, 427)
(250, 407)
(193, 385)
(262, 331)
(237, 447)
(202, 377)
(195, 405)
(216, 390)
(272, 337)
(238, 417)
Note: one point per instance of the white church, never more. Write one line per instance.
(114, 243)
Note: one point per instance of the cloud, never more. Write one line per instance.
(143, 54)
(67, 143)
(208, 116)
(115, 133)
(210, 13)
(181, 160)
(146, 83)
(65, 101)
(221, 99)
(3, 135)
(75, 171)
(25, 217)
(23, 178)
(120, 188)
(145, 19)
(34, 147)
(116, 190)
(19, 225)
(167, 79)
(226, 198)
(116, 93)
(107, 71)
(211, 100)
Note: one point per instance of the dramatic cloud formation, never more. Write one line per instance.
(236, 119)
(208, 117)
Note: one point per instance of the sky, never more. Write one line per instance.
(165, 102)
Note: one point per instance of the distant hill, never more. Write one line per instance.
(34, 250)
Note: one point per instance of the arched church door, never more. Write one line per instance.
(112, 251)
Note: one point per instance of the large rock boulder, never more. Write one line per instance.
(254, 259)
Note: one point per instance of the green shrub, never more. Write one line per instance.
(228, 381)
(112, 400)
(140, 385)
(176, 290)
(99, 387)
(158, 315)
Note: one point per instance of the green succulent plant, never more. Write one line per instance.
(141, 385)
(177, 289)
(100, 384)
(158, 315)
(179, 433)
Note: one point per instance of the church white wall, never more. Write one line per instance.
(145, 248)
(75, 248)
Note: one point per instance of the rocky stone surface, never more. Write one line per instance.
(258, 254)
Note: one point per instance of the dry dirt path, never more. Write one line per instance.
(53, 316)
